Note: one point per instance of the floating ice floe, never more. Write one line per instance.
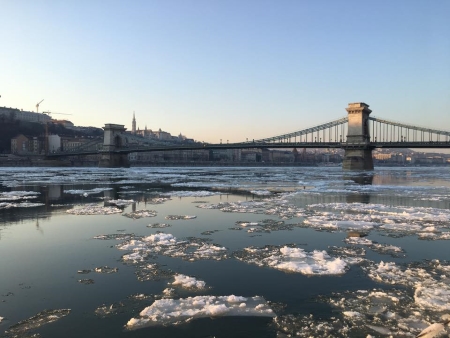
(271, 206)
(120, 202)
(166, 244)
(307, 326)
(385, 249)
(352, 255)
(430, 282)
(158, 225)
(175, 311)
(261, 192)
(140, 214)
(106, 269)
(292, 259)
(93, 209)
(47, 316)
(326, 224)
(86, 281)
(383, 312)
(5, 205)
(118, 237)
(86, 193)
(18, 195)
(201, 193)
(381, 212)
(179, 217)
(188, 282)
(1, 319)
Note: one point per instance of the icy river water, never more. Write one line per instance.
(223, 252)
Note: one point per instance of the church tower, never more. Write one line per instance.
(133, 125)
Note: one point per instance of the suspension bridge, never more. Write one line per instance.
(357, 133)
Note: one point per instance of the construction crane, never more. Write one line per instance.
(37, 106)
(49, 112)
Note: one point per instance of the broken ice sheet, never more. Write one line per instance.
(292, 259)
(140, 214)
(93, 209)
(261, 192)
(271, 206)
(352, 254)
(6, 205)
(158, 225)
(384, 249)
(47, 316)
(429, 281)
(86, 192)
(18, 195)
(120, 202)
(388, 214)
(188, 193)
(118, 237)
(387, 312)
(188, 282)
(180, 217)
(175, 311)
(106, 269)
(307, 326)
(330, 223)
(168, 245)
(86, 281)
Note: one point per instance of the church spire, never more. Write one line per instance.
(133, 124)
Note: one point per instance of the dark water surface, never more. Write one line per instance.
(403, 212)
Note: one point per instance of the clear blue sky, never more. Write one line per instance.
(226, 69)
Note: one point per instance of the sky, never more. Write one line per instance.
(226, 70)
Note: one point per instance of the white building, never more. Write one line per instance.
(54, 143)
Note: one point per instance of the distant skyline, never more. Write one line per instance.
(227, 70)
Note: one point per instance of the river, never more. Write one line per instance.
(223, 252)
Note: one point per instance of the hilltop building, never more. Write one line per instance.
(157, 135)
(21, 115)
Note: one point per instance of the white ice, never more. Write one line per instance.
(295, 260)
(86, 192)
(18, 195)
(188, 282)
(93, 209)
(171, 311)
(202, 193)
(5, 205)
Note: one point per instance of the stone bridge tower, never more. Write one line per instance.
(358, 150)
(113, 142)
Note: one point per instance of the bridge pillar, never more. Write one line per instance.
(358, 151)
(112, 143)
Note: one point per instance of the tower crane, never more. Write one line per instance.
(37, 105)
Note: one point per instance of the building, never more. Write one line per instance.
(54, 143)
(16, 114)
(22, 144)
(72, 143)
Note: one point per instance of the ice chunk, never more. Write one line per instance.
(140, 214)
(5, 205)
(291, 259)
(120, 202)
(93, 209)
(85, 193)
(200, 193)
(188, 282)
(170, 311)
(178, 217)
(18, 195)
(44, 317)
